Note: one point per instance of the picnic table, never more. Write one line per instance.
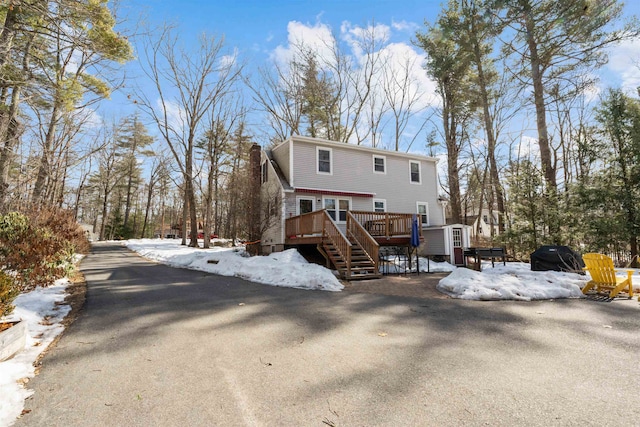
(485, 253)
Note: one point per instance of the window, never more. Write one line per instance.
(330, 206)
(457, 237)
(337, 208)
(423, 213)
(324, 160)
(379, 205)
(264, 172)
(305, 205)
(379, 164)
(485, 218)
(343, 207)
(415, 171)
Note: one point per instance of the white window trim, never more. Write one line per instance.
(318, 160)
(313, 203)
(337, 199)
(384, 163)
(384, 202)
(427, 211)
(419, 172)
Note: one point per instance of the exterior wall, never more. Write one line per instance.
(282, 155)
(352, 171)
(272, 195)
(434, 242)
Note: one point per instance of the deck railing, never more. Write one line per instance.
(306, 224)
(357, 232)
(385, 224)
(319, 223)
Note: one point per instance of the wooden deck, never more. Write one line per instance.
(382, 241)
(353, 250)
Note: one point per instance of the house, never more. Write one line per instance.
(350, 200)
(484, 228)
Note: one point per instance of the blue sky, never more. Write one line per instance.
(260, 30)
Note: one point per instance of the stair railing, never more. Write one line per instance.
(359, 234)
(332, 233)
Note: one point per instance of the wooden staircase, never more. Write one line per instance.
(360, 267)
(355, 255)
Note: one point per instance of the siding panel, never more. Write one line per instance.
(353, 171)
(434, 241)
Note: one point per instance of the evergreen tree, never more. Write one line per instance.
(609, 197)
(132, 141)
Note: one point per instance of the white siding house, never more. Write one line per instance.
(308, 174)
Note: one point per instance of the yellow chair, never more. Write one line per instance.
(603, 276)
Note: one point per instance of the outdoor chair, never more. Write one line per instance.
(603, 276)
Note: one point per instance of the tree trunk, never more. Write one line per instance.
(538, 94)
(453, 175)
(185, 215)
(148, 207)
(43, 169)
(191, 196)
(104, 213)
(496, 188)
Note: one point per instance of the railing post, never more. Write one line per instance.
(386, 225)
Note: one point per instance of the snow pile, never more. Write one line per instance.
(287, 269)
(42, 311)
(515, 281)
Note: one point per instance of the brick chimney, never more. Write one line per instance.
(253, 210)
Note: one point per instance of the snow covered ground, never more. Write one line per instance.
(42, 311)
(515, 281)
(287, 269)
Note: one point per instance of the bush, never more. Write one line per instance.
(8, 292)
(39, 246)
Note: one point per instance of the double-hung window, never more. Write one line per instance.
(379, 205)
(423, 213)
(324, 160)
(379, 164)
(414, 170)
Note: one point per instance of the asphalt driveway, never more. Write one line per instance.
(157, 346)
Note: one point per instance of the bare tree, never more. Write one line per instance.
(186, 85)
(403, 94)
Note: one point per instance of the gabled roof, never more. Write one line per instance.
(328, 143)
(283, 180)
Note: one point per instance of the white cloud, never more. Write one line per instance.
(404, 26)
(401, 59)
(93, 119)
(624, 62)
(359, 43)
(175, 114)
(227, 61)
(317, 38)
(527, 147)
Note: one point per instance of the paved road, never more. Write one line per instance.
(158, 346)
